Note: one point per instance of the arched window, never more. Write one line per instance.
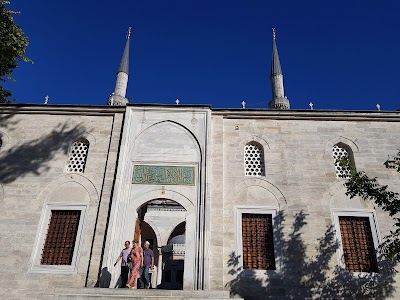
(77, 156)
(339, 151)
(254, 159)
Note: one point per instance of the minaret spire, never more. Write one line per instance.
(279, 100)
(276, 64)
(118, 97)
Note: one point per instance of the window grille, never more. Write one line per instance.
(358, 244)
(258, 242)
(60, 240)
(77, 156)
(254, 160)
(339, 152)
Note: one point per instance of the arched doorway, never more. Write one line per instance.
(153, 209)
(174, 258)
(178, 230)
(160, 221)
(147, 234)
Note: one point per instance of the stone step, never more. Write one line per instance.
(152, 294)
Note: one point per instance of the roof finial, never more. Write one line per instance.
(129, 32)
(274, 33)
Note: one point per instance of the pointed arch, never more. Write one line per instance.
(178, 125)
(141, 199)
(276, 198)
(177, 229)
(70, 178)
(341, 139)
(335, 197)
(263, 142)
(166, 141)
(155, 229)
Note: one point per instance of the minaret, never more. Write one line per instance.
(118, 97)
(279, 100)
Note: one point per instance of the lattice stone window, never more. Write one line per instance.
(258, 242)
(339, 151)
(61, 235)
(254, 159)
(77, 156)
(357, 243)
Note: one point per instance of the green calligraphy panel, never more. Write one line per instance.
(163, 175)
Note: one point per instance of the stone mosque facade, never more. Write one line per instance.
(241, 203)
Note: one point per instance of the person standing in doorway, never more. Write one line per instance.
(148, 263)
(124, 264)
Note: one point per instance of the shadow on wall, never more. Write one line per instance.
(104, 279)
(34, 156)
(6, 123)
(310, 278)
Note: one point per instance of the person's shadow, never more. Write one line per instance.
(104, 279)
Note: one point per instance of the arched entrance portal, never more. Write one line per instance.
(149, 207)
(162, 222)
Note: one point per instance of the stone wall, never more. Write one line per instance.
(300, 183)
(36, 141)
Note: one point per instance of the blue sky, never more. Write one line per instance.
(337, 54)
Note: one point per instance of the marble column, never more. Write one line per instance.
(159, 268)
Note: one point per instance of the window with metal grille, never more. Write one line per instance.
(253, 159)
(357, 243)
(77, 156)
(60, 240)
(339, 151)
(258, 242)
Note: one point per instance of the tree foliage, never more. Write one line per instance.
(13, 43)
(360, 184)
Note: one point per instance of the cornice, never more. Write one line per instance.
(60, 109)
(312, 115)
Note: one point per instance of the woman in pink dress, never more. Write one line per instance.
(137, 262)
